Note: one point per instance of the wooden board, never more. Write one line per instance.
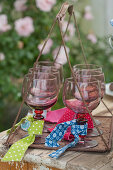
(106, 126)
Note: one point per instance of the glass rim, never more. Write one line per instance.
(86, 76)
(46, 61)
(97, 66)
(71, 79)
(54, 77)
(53, 69)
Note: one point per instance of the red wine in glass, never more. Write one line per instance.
(83, 71)
(43, 91)
(40, 106)
(40, 93)
(90, 75)
(73, 100)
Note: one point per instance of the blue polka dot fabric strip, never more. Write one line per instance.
(58, 133)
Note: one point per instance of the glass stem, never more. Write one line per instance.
(38, 114)
(81, 121)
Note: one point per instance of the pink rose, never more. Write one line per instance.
(62, 56)
(24, 26)
(2, 56)
(70, 31)
(4, 26)
(88, 15)
(45, 5)
(20, 5)
(47, 47)
(92, 38)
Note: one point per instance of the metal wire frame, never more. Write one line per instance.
(58, 19)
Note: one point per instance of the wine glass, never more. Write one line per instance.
(43, 92)
(72, 99)
(52, 70)
(91, 76)
(46, 69)
(86, 69)
(50, 64)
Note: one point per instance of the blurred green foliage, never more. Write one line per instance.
(17, 61)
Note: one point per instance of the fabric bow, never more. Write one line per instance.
(58, 133)
(18, 149)
(67, 115)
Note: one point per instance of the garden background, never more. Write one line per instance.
(24, 25)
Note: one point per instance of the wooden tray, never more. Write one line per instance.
(106, 126)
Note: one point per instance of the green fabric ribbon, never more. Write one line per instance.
(18, 149)
(29, 118)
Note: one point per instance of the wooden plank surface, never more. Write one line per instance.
(101, 110)
(39, 159)
(106, 167)
(88, 161)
